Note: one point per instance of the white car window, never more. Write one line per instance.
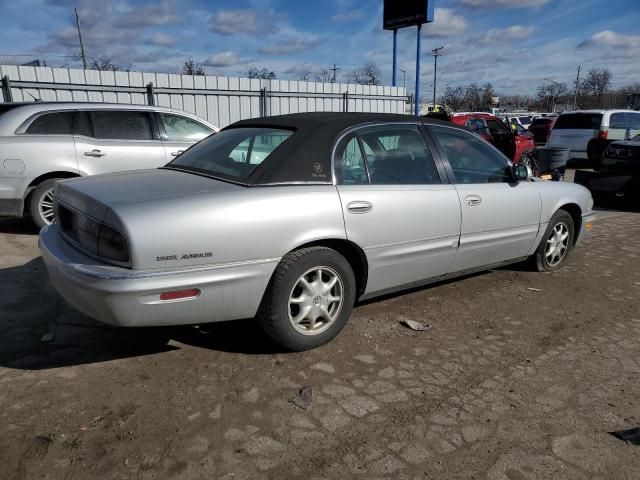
(183, 129)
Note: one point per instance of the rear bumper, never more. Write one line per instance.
(131, 298)
(12, 193)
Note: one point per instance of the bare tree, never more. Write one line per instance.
(324, 75)
(261, 73)
(486, 95)
(455, 97)
(368, 74)
(191, 67)
(105, 64)
(549, 95)
(595, 85)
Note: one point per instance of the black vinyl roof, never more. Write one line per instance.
(306, 155)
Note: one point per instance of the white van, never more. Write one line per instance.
(588, 132)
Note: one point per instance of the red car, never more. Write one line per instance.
(489, 127)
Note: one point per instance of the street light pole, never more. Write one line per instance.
(416, 108)
(404, 78)
(436, 53)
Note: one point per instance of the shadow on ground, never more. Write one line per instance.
(18, 226)
(38, 330)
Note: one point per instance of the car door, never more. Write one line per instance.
(116, 140)
(396, 205)
(500, 217)
(179, 132)
(503, 138)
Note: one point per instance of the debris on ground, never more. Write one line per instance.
(532, 289)
(413, 325)
(303, 398)
(631, 435)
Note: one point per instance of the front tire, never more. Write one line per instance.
(309, 298)
(556, 244)
(41, 203)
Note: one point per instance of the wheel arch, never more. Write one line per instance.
(352, 252)
(576, 215)
(38, 180)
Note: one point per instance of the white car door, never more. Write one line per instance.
(500, 217)
(117, 140)
(396, 205)
(179, 132)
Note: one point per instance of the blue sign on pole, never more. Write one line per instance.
(407, 13)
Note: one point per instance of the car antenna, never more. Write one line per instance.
(34, 98)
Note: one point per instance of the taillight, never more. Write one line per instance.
(603, 134)
(112, 245)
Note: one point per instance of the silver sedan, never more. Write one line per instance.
(292, 219)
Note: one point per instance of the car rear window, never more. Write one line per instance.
(579, 121)
(232, 154)
(541, 121)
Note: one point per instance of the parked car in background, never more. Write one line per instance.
(523, 121)
(619, 171)
(43, 142)
(512, 143)
(293, 237)
(587, 133)
(541, 129)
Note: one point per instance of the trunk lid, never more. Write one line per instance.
(94, 195)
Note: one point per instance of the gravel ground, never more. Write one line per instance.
(520, 376)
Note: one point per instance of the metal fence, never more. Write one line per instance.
(221, 100)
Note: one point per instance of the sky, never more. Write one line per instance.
(514, 44)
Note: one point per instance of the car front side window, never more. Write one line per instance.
(472, 159)
(183, 129)
(399, 156)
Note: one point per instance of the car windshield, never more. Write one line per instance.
(525, 119)
(231, 154)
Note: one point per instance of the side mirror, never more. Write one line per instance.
(522, 172)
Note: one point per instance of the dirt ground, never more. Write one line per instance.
(521, 376)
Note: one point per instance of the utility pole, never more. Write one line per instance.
(575, 96)
(334, 70)
(84, 55)
(436, 53)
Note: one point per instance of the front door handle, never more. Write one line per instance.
(94, 153)
(175, 154)
(473, 200)
(359, 207)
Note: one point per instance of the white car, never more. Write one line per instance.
(43, 142)
(587, 133)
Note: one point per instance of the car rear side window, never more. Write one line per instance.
(398, 155)
(55, 123)
(121, 125)
(183, 129)
(578, 121)
(471, 158)
(351, 168)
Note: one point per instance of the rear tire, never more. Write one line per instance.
(41, 203)
(309, 298)
(556, 244)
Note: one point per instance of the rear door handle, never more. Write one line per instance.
(94, 153)
(473, 200)
(359, 207)
(175, 154)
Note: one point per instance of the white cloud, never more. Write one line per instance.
(500, 35)
(502, 3)
(248, 22)
(607, 38)
(348, 16)
(224, 59)
(163, 39)
(290, 40)
(445, 24)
